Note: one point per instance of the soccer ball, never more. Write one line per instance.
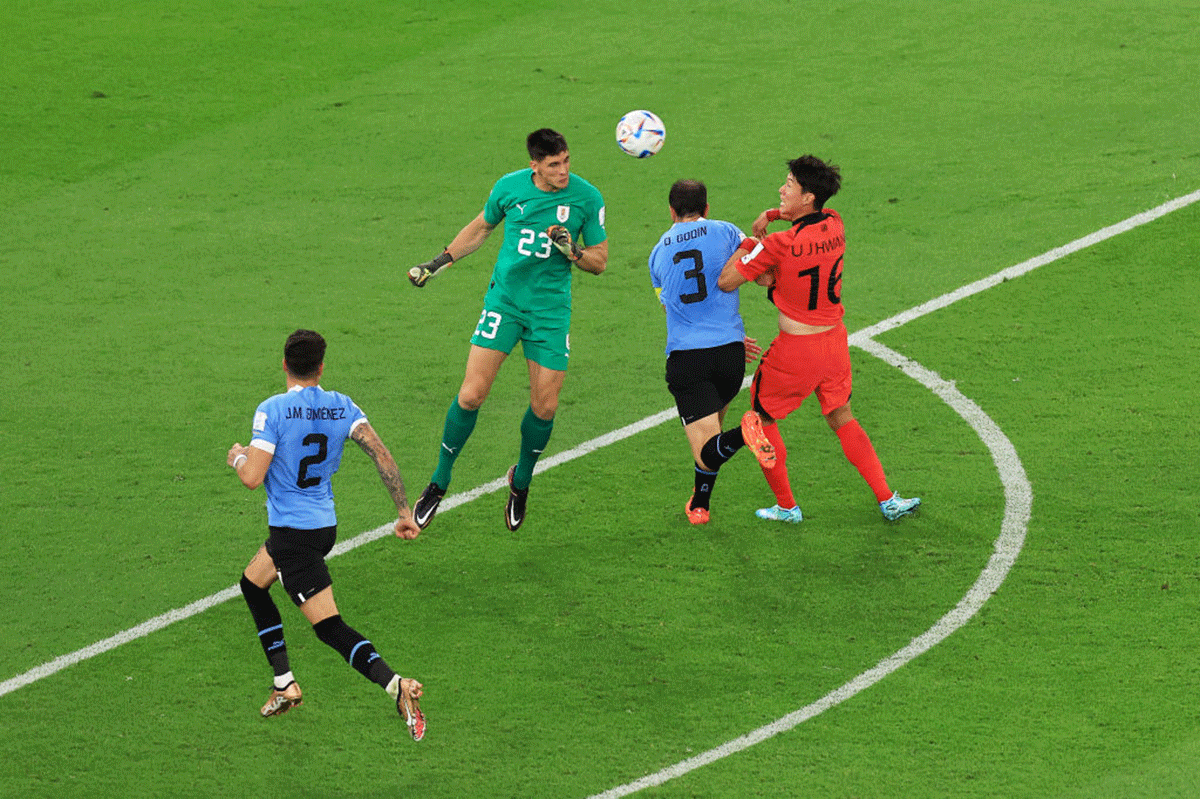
(640, 134)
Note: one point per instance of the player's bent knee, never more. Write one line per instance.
(470, 399)
(839, 417)
(249, 588)
(544, 410)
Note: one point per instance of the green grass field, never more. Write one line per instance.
(186, 183)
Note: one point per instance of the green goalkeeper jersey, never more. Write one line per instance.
(531, 275)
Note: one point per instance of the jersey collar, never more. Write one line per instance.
(810, 219)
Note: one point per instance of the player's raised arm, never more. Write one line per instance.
(527, 302)
(468, 240)
(731, 277)
(759, 227)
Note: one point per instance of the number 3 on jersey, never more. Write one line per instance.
(695, 273)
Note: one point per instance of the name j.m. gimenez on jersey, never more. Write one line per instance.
(309, 414)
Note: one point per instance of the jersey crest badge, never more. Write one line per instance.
(564, 213)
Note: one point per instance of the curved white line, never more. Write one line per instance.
(861, 339)
(1017, 503)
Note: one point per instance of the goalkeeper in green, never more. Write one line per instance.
(553, 220)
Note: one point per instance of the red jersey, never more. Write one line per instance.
(807, 262)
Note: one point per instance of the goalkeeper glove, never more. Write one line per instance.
(560, 237)
(420, 273)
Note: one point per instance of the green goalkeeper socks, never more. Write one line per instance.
(459, 424)
(535, 435)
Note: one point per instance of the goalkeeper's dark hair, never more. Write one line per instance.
(303, 353)
(545, 142)
(688, 198)
(814, 175)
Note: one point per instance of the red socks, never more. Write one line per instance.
(858, 450)
(777, 478)
(861, 453)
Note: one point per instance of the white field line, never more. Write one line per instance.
(1027, 266)
(201, 605)
(1018, 501)
(1018, 497)
(158, 622)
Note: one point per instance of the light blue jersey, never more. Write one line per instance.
(305, 430)
(685, 265)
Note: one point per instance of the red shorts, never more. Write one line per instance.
(796, 366)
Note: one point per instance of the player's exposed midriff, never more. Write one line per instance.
(790, 326)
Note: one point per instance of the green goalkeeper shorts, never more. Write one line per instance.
(546, 341)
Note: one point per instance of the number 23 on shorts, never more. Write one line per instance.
(489, 324)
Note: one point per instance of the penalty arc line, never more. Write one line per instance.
(1018, 495)
(1018, 502)
(858, 339)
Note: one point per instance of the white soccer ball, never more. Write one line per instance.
(640, 134)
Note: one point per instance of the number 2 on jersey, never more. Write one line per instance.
(322, 442)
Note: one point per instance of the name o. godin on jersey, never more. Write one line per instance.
(687, 235)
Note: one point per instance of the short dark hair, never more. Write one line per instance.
(688, 197)
(545, 142)
(303, 353)
(814, 175)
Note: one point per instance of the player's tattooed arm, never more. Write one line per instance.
(365, 436)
